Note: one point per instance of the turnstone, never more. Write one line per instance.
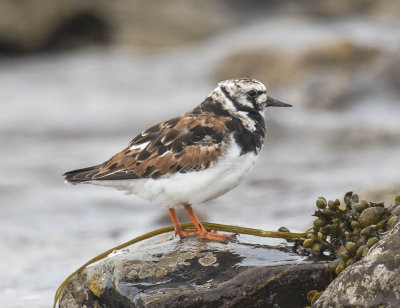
(192, 158)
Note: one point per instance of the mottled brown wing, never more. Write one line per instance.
(184, 144)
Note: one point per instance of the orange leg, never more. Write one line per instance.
(178, 229)
(201, 230)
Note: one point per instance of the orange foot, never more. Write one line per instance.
(185, 233)
(214, 236)
(200, 230)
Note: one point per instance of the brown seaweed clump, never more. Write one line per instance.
(348, 230)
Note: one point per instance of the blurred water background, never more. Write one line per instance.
(79, 79)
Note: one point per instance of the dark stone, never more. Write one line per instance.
(37, 25)
(80, 30)
(373, 281)
(172, 272)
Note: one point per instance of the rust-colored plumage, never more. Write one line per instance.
(183, 144)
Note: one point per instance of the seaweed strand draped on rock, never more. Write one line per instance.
(192, 272)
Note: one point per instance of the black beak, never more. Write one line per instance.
(272, 102)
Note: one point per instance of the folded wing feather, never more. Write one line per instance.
(188, 143)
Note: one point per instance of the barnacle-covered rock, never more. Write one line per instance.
(373, 281)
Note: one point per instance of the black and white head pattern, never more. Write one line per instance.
(244, 99)
(241, 95)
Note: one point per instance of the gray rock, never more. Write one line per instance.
(172, 272)
(374, 281)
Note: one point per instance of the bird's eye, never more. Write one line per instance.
(252, 93)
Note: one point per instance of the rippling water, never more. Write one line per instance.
(70, 110)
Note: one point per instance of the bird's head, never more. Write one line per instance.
(244, 94)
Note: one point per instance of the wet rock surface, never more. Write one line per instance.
(374, 281)
(172, 272)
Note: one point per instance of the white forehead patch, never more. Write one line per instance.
(242, 85)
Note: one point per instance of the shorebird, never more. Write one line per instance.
(192, 158)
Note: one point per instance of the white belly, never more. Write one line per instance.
(193, 188)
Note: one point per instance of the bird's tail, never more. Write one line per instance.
(81, 175)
